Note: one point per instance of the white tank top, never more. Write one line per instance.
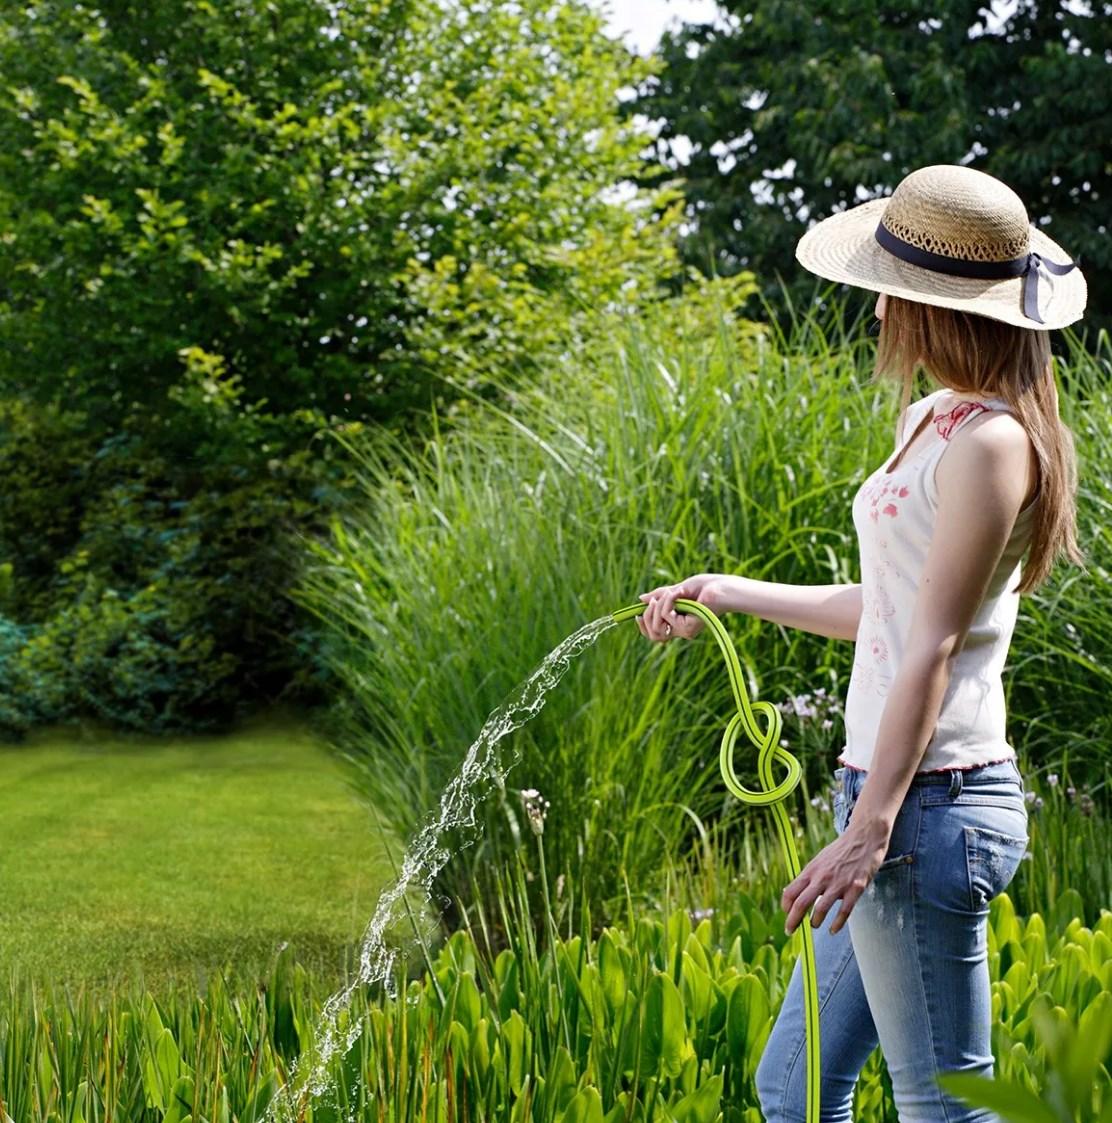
(893, 514)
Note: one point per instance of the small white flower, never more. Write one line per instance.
(536, 807)
(1052, 779)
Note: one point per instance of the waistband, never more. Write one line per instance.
(993, 771)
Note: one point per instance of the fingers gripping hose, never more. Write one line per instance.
(772, 796)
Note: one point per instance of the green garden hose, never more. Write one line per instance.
(773, 797)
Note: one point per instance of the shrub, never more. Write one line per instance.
(139, 594)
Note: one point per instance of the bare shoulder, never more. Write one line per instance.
(1000, 430)
(996, 452)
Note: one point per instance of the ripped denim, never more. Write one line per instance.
(910, 968)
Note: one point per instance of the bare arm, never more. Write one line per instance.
(833, 611)
(826, 610)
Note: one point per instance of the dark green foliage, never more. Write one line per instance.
(859, 94)
(226, 230)
(138, 592)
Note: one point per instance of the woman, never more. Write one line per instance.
(929, 809)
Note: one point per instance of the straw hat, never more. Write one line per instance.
(952, 236)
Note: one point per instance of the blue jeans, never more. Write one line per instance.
(910, 968)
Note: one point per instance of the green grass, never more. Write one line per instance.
(125, 858)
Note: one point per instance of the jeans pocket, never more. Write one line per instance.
(991, 861)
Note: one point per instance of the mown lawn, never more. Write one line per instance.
(157, 859)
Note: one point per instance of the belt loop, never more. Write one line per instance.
(955, 782)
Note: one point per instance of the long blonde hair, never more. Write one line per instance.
(972, 354)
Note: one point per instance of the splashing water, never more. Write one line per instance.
(423, 860)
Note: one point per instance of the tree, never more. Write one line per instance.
(802, 108)
(341, 204)
(227, 228)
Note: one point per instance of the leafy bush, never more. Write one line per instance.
(211, 254)
(345, 208)
(138, 593)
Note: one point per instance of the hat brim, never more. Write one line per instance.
(844, 248)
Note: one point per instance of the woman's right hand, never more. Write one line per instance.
(705, 588)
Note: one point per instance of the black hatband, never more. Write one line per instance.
(1026, 267)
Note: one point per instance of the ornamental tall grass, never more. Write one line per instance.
(655, 456)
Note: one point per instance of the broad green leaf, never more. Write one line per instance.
(611, 973)
(1013, 1103)
(747, 1018)
(468, 1002)
(181, 1102)
(480, 1048)
(515, 1035)
(665, 1035)
(560, 1080)
(702, 1105)
(696, 989)
(586, 1107)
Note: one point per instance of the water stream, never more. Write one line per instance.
(423, 860)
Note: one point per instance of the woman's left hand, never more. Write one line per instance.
(841, 870)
